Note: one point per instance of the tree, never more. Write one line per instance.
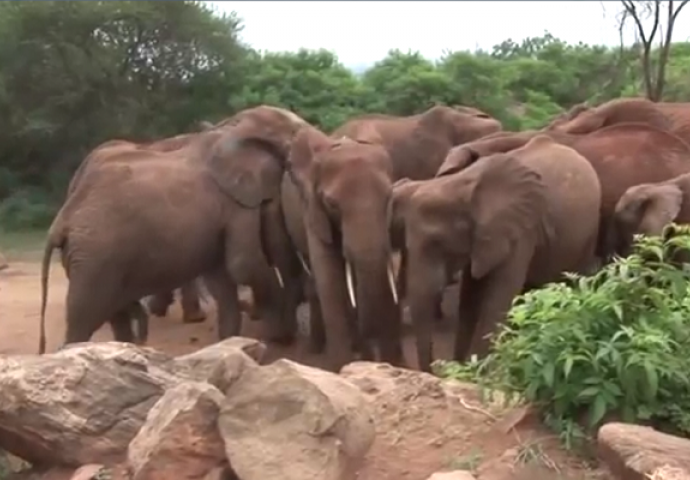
(660, 20)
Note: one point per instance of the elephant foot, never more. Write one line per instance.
(197, 316)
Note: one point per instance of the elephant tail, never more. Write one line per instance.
(51, 245)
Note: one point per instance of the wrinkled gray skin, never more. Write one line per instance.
(649, 207)
(509, 221)
(336, 205)
(142, 227)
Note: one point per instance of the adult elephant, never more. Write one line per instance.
(419, 143)
(647, 208)
(335, 202)
(623, 155)
(119, 151)
(582, 119)
(507, 221)
(135, 228)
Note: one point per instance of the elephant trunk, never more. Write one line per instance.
(371, 288)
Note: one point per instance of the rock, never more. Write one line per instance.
(180, 438)
(632, 452)
(454, 475)
(291, 422)
(3, 262)
(222, 363)
(82, 404)
(88, 472)
(221, 473)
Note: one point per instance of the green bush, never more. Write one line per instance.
(616, 343)
(27, 210)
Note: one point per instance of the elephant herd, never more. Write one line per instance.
(266, 200)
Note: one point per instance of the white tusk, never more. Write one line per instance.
(350, 287)
(280, 277)
(304, 263)
(391, 281)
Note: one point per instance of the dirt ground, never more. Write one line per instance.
(417, 434)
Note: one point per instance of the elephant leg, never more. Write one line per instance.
(468, 309)
(247, 264)
(191, 306)
(317, 328)
(223, 289)
(121, 325)
(88, 307)
(426, 279)
(141, 319)
(492, 297)
(328, 270)
(159, 303)
(281, 254)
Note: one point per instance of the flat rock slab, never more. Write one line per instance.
(633, 452)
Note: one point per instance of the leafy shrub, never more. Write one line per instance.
(613, 344)
(27, 209)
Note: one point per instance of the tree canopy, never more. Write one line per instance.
(74, 74)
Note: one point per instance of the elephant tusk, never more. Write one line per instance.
(280, 277)
(304, 263)
(391, 281)
(350, 287)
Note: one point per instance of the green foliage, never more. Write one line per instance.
(74, 74)
(612, 344)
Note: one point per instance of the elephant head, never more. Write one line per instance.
(582, 119)
(646, 209)
(346, 186)
(460, 124)
(479, 220)
(462, 156)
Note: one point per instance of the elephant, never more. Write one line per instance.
(623, 155)
(343, 237)
(671, 116)
(418, 143)
(647, 208)
(109, 152)
(507, 220)
(135, 228)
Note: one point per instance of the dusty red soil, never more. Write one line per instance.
(417, 434)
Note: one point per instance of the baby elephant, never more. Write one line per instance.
(647, 208)
(509, 221)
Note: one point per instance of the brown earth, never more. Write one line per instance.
(416, 434)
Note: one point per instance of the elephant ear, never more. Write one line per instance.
(251, 179)
(659, 207)
(398, 204)
(508, 204)
(303, 167)
(458, 159)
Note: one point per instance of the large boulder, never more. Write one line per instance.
(634, 452)
(180, 438)
(286, 421)
(85, 403)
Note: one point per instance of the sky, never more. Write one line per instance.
(362, 32)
